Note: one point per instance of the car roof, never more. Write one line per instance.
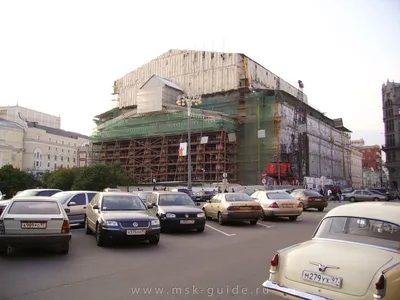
(42, 190)
(34, 199)
(74, 192)
(275, 191)
(117, 194)
(385, 211)
(169, 192)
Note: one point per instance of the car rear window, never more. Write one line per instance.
(34, 208)
(279, 196)
(237, 197)
(361, 230)
(312, 194)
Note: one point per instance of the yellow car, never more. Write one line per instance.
(278, 204)
(353, 255)
(232, 207)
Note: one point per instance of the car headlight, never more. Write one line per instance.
(201, 215)
(110, 223)
(155, 222)
(169, 215)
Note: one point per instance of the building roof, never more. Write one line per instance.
(56, 131)
(164, 81)
(10, 124)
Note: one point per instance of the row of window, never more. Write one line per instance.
(38, 164)
(390, 140)
(56, 141)
(389, 126)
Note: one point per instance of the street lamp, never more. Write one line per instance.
(188, 101)
(204, 179)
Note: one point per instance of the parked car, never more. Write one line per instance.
(118, 216)
(278, 204)
(35, 222)
(176, 211)
(227, 207)
(363, 195)
(3, 205)
(310, 199)
(77, 202)
(193, 195)
(206, 195)
(37, 193)
(353, 254)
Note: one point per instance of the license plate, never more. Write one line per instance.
(135, 232)
(287, 205)
(317, 199)
(244, 208)
(187, 222)
(322, 279)
(33, 225)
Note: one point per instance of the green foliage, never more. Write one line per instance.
(13, 180)
(96, 178)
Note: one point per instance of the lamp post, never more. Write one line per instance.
(204, 179)
(188, 101)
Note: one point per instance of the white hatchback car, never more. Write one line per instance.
(35, 222)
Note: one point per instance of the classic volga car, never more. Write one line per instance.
(354, 254)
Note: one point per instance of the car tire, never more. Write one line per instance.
(100, 240)
(352, 199)
(321, 209)
(376, 199)
(87, 229)
(200, 229)
(293, 218)
(254, 222)
(155, 240)
(262, 218)
(220, 219)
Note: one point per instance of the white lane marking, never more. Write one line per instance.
(265, 225)
(220, 231)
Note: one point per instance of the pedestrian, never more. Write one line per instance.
(219, 190)
(329, 194)
(233, 190)
(225, 191)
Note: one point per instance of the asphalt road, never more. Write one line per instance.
(220, 263)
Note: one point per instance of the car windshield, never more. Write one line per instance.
(361, 230)
(247, 192)
(312, 194)
(34, 208)
(237, 197)
(279, 196)
(144, 196)
(122, 203)
(62, 196)
(175, 199)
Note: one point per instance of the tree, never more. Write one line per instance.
(13, 180)
(62, 179)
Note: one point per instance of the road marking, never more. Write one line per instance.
(220, 231)
(265, 225)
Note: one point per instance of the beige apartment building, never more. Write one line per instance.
(356, 168)
(37, 148)
(19, 114)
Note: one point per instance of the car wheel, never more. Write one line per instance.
(155, 240)
(254, 222)
(376, 199)
(352, 199)
(220, 220)
(262, 218)
(100, 240)
(200, 229)
(321, 209)
(207, 217)
(87, 229)
(293, 218)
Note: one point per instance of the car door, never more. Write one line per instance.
(210, 208)
(367, 196)
(77, 205)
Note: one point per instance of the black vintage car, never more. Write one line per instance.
(114, 216)
(176, 211)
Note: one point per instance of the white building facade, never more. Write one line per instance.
(11, 144)
(20, 115)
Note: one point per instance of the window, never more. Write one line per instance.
(62, 142)
(279, 196)
(122, 203)
(79, 199)
(47, 193)
(237, 197)
(37, 157)
(62, 158)
(90, 196)
(361, 230)
(175, 199)
(48, 156)
(49, 140)
(67, 159)
(34, 208)
(48, 164)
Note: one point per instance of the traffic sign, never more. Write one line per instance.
(264, 174)
(264, 181)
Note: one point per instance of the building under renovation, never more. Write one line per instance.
(248, 122)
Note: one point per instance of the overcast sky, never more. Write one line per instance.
(62, 57)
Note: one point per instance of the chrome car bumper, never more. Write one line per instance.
(269, 285)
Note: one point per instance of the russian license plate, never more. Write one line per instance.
(322, 279)
(33, 225)
(135, 232)
(317, 199)
(187, 222)
(287, 205)
(244, 208)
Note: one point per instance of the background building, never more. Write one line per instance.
(11, 143)
(249, 121)
(19, 114)
(356, 169)
(372, 163)
(391, 119)
(357, 143)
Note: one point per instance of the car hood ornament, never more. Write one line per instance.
(322, 268)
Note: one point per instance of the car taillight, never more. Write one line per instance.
(275, 260)
(274, 205)
(380, 287)
(65, 227)
(257, 208)
(300, 204)
(309, 199)
(2, 229)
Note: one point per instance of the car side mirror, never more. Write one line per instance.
(72, 203)
(150, 206)
(67, 210)
(95, 206)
